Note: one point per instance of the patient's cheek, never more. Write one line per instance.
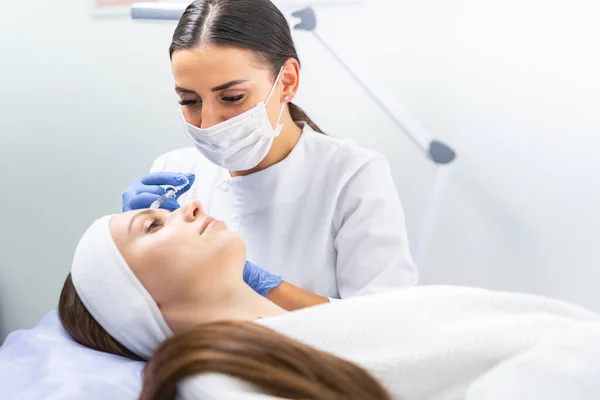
(141, 257)
(154, 253)
(151, 245)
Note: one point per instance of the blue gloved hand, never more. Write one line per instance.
(144, 191)
(259, 279)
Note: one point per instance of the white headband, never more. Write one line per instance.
(113, 295)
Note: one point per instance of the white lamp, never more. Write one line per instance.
(158, 11)
(436, 151)
(172, 10)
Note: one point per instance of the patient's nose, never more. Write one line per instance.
(192, 210)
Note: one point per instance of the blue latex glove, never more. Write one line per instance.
(259, 279)
(144, 191)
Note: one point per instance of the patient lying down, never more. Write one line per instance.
(167, 287)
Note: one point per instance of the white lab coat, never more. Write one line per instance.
(327, 218)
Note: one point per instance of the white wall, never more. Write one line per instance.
(511, 85)
(75, 94)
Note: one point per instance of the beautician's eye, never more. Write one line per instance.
(190, 103)
(233, 99)
(154, 225)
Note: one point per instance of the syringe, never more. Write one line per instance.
(169, 194)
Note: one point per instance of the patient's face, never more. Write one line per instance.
(176, 254)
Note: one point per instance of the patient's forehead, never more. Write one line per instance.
(120, 224)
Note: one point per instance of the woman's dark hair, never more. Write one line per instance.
(277, 364)
(255, 25)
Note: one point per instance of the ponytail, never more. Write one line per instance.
(277, 364)
(299, 115)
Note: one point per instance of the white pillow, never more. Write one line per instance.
(46, 363)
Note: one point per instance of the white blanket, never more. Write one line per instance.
(442, 343)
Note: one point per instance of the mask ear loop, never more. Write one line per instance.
(274, 85)
(286, 99)
(271, 94)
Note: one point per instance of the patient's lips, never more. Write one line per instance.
(207, 221)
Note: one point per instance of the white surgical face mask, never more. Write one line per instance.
(239, 143)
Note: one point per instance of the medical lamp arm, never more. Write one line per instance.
(436, 151)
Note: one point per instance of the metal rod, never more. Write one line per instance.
(432, 210)
(420, 140)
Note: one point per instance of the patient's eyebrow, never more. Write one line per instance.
(145, 212)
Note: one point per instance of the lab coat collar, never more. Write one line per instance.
(280, 183)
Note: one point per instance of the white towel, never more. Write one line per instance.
(562, 369)
(434, 342)
(113, 294)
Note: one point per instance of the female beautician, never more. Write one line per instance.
(321, 212)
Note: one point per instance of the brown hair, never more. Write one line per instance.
(275, 363)
(256, 25)
(82, 327)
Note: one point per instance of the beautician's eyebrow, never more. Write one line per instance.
(224, 86)
(145, 212)
(179, 89)
(228, 85)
